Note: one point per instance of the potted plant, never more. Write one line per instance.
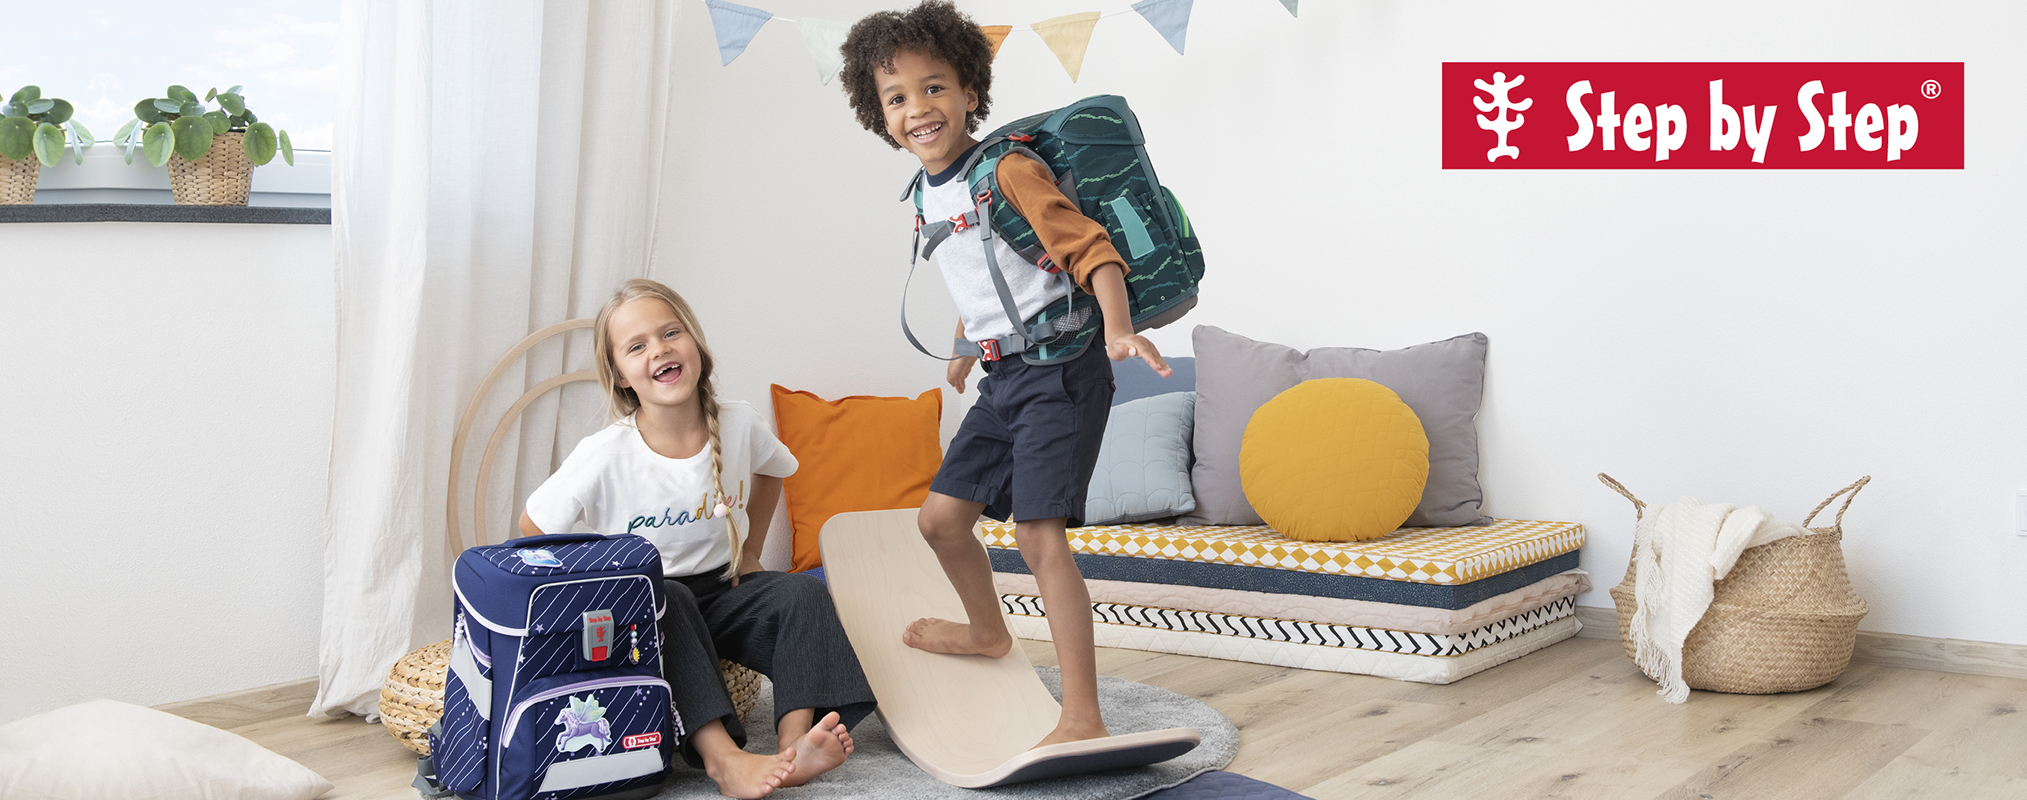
(37, 126)
(211, 152)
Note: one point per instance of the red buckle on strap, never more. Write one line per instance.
(990, 348)
(1020, 137)
(960, 223)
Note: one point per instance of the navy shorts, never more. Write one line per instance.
(1028, 447)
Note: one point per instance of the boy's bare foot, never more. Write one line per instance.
(956, 638)
(1068, 730)
(819, 751)
(750, 775)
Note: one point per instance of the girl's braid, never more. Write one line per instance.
(709, 398)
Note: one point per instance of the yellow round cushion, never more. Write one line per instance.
(1334, 460)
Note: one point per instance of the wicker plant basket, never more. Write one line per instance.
(411, 699)
(1784, 620)
(223, 177)
(17, 180)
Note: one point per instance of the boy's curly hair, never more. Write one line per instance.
(935, 29)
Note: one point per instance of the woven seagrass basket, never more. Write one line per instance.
(1784, 620)
(17, 180)
(411, 699)
(223, 177)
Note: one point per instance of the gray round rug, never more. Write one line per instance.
(878, 771)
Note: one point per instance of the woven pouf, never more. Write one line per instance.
(17, 180)
(223, 177)
(411, 699)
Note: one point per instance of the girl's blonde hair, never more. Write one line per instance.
(622, 401)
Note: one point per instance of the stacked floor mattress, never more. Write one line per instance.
(1422, 604)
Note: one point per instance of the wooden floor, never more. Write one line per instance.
(1574, 720)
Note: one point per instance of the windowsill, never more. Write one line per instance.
(121, 192)
(149, 212)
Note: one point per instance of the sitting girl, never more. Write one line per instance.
(662, 471)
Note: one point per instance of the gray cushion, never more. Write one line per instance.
(1143, 466)
(1444, 382)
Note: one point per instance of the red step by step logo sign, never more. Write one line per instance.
(1695, 115)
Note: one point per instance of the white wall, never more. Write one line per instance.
(1752, 337)
(167, 423)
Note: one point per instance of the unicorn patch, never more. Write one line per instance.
(584, 725)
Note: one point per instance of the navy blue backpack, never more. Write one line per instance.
(555, 688)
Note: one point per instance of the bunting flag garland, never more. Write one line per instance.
(1170, 18)
(826, 39)
(735, 25)
(1068, 36)
(995, 34)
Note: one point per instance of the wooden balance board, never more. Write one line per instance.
(970, 721)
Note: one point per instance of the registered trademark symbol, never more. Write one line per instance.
(1931, 89)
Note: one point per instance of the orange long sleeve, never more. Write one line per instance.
(1075, 242)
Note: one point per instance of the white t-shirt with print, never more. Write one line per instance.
(618, 485)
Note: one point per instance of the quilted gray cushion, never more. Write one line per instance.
(1143, 466)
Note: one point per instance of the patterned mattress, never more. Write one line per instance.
(1444, 568)
(1324, 610)
(1437, 556)
(1399, 666)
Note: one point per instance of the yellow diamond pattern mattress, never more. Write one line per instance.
(1437, 556)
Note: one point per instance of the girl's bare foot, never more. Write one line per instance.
(956, 638)
(1069, 730)
(819, 751)
(749, 775)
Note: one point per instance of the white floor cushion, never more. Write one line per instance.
(109, 749)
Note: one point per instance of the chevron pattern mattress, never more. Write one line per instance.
(1300, 632)
(1399, 666)
(1322, 610)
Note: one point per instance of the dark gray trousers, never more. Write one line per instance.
(778, 624)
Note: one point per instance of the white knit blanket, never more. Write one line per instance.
(1680, 551)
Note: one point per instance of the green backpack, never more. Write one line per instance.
(1094, 150)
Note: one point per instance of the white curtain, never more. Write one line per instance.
(497, 168)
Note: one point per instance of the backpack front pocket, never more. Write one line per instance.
(581, 735)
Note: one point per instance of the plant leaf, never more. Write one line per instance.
(219, 124)
(13, 110)
(237, 90)
(211, 94)
(48, 144)
(260, 143)
(147, 113)
(165, 106)
(288, 153)
(193, 137)
(191, 109)
(41, 106)
(83, 135)
(17, 137)
(124, 130)
(177, 92)
(232, 103)
(26, 95)
(158, 142)
(60, 114)
(250, 118)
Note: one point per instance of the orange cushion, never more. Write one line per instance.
(855, 454)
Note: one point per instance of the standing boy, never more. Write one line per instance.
(921, 80)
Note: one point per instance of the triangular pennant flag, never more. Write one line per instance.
(995, 34)
(735, 25)
(1291, 7)
(825, 38)
(1169, 17)
(1068, 36)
